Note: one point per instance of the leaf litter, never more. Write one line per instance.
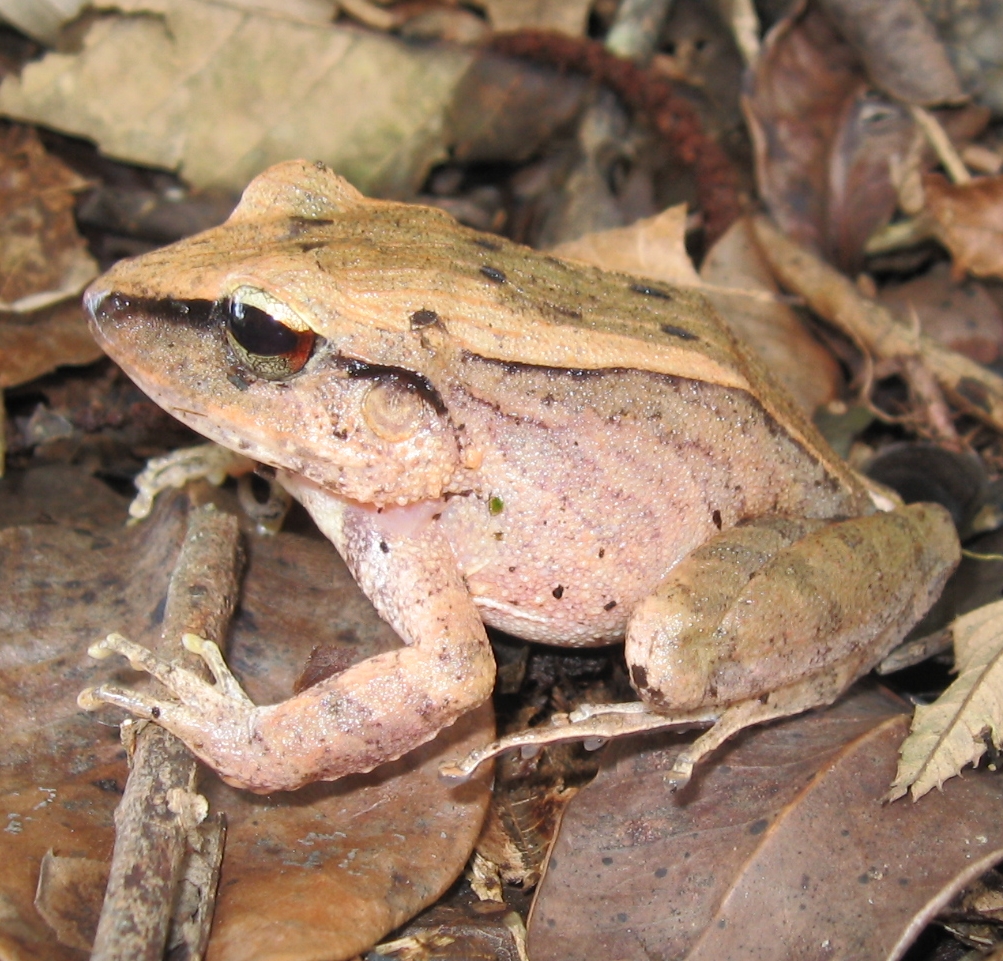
(829, 170)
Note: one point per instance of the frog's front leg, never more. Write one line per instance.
(376, 710)
(778, 616)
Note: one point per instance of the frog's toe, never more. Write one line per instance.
(226, 684)
(139, 657)
(187, 687)
(135, 702)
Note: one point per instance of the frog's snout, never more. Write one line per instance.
(94, 297)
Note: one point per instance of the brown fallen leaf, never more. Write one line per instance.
(781, 848)
(37, 343)
(958, 727)
(960, 314)
(505, 110)
(654, 247)
(43, 259)
(325, 871)
(900, 50)
(735, 271)
(822, 139)
(219, 93)
(968, 220)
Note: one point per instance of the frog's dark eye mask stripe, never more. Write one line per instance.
(263, 345)
(117, 307)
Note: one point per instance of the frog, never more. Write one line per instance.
(495, 437)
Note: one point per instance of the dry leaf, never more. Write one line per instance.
(43, 259)
(737, 270)
(968, 221)
(822, 138)
(899, 48)
(961, 315)
(951, 732)
(218, 94)
(780, 848)
(506, 110)
(35, 344)
(653, 247)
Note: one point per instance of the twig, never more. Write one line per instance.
(917, 651)
(743, 21)
(159, 822)
(941, 143)
(835, 298)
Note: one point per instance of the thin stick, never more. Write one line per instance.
(937, 137)
(917, 651)
(160, 834)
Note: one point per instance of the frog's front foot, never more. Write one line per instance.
(217, 721)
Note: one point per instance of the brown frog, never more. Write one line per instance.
(491, 435)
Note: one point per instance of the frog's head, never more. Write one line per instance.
(240, 335)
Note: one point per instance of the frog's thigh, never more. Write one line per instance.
(774, 602)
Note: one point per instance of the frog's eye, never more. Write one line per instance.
(270, 348)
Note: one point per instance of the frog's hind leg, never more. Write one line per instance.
(777, 616)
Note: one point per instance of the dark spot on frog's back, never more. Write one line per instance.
(487, 243)
(493, 274)
(673, 331)
(423, 318)
(648, 291)
(301, 225)
(117, 307)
